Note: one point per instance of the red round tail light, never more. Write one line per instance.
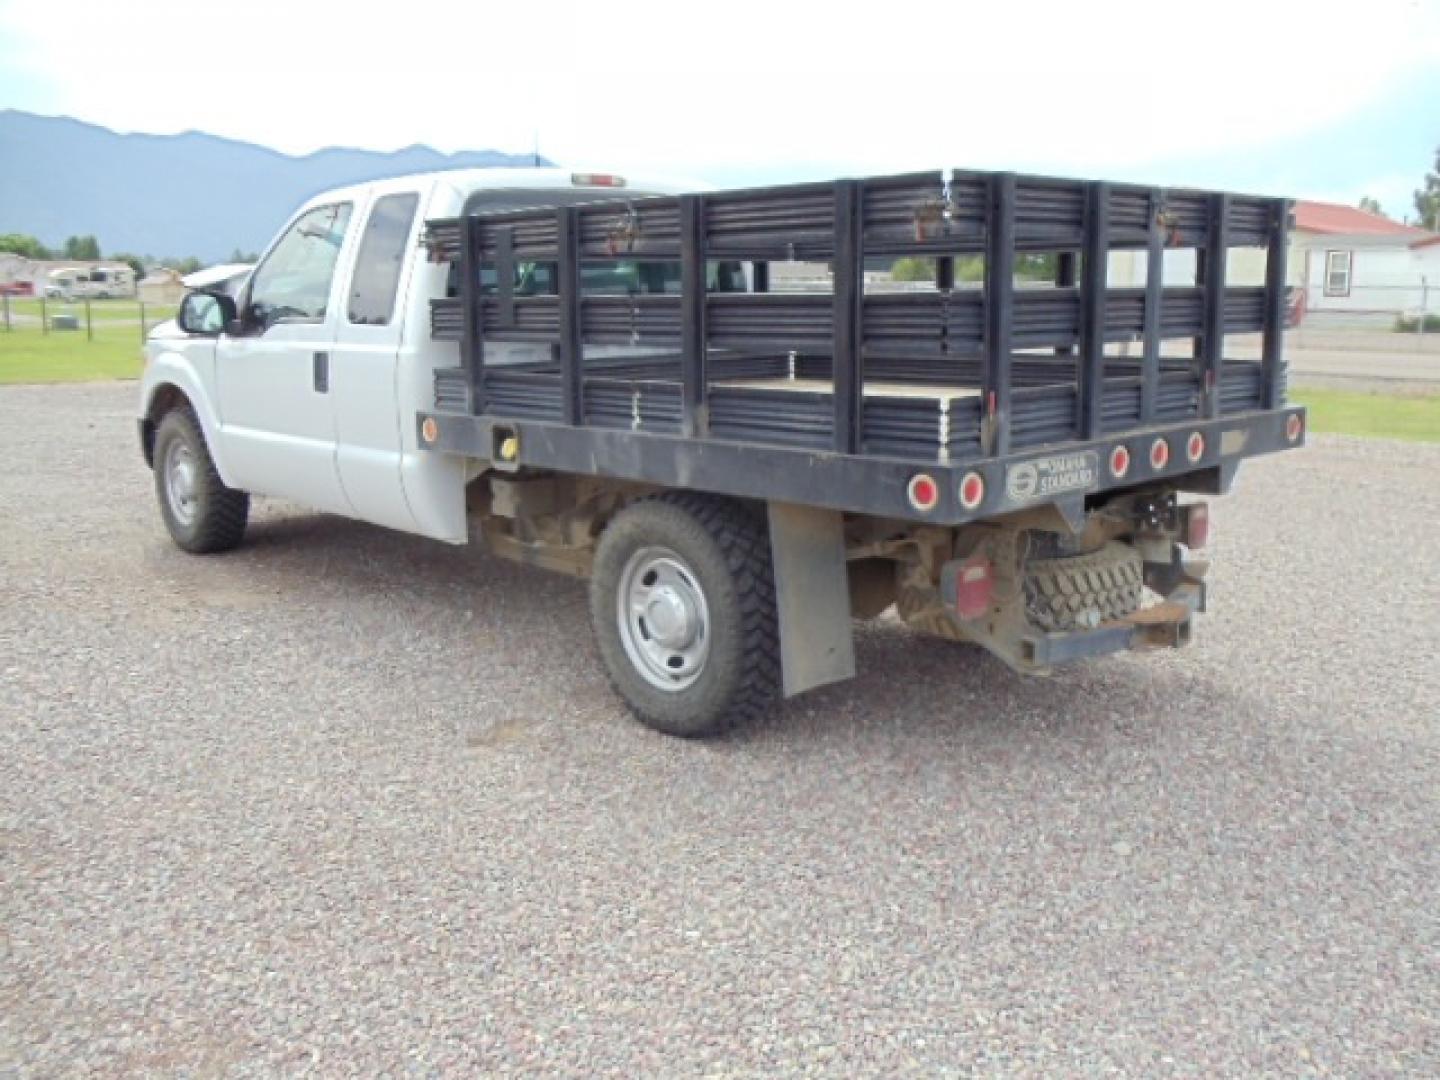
(1294, 427)
(923, 492)
(972, 490)
(1194, 447)
(1159, 454)
(1119, 462)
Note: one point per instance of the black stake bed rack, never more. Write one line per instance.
(839, 398)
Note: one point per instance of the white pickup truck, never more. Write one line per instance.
(305, 392)
(594, 376)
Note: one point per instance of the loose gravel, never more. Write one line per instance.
(347, 802)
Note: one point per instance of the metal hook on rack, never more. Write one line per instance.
(1171, 224)
(624, 231)
(932, 216)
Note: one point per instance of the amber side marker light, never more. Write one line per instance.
(429, 430)
(1294, 427)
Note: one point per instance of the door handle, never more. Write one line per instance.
(321, 370)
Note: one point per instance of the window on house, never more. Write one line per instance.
(1337, 273)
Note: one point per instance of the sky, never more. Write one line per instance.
(1315, 99)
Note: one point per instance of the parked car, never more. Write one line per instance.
(100, 283)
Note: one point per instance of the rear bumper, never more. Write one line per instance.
(1062, 475)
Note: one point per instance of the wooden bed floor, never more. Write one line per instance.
(925, 391)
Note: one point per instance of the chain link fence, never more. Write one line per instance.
(82, 318)
(1398, 317)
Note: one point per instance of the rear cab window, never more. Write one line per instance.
(376, 279)
(615, 277)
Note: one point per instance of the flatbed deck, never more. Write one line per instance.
(856, 387)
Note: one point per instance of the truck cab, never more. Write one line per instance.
(305, 391)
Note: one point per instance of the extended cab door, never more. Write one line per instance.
(363, 368)
(277, 417)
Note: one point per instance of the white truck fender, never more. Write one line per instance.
(171, 371)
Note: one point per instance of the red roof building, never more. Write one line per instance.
(1350, 265)
(1333, 218)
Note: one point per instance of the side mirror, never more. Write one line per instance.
(206, 313)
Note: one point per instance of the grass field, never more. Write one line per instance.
(1412, 417)
(28, 356)
(110, 351)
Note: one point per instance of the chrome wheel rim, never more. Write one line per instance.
(664, 619)
(180, 473)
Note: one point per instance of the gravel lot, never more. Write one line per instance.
(347, 802)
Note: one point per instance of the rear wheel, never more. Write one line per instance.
(682, 598)
(200, 512)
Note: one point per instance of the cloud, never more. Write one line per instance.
(735, 87)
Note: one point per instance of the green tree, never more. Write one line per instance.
(1427, 198)
(1035, 267)
(921, 268)
(187, 265)
(913, 268)
(85, 248)
(238, 256)
(28, 246)
(1371, 206)
(135, 262)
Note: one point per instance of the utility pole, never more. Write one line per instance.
(1424, 310)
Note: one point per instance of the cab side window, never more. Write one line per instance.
(382, 257)
(293, 283)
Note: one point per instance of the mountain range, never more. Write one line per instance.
(178, 195)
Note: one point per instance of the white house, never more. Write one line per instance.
(1358, 267)
(1346, 265)
(15, 274)
(161, 286)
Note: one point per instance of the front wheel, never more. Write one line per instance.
(200, 512)
(682, 598)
